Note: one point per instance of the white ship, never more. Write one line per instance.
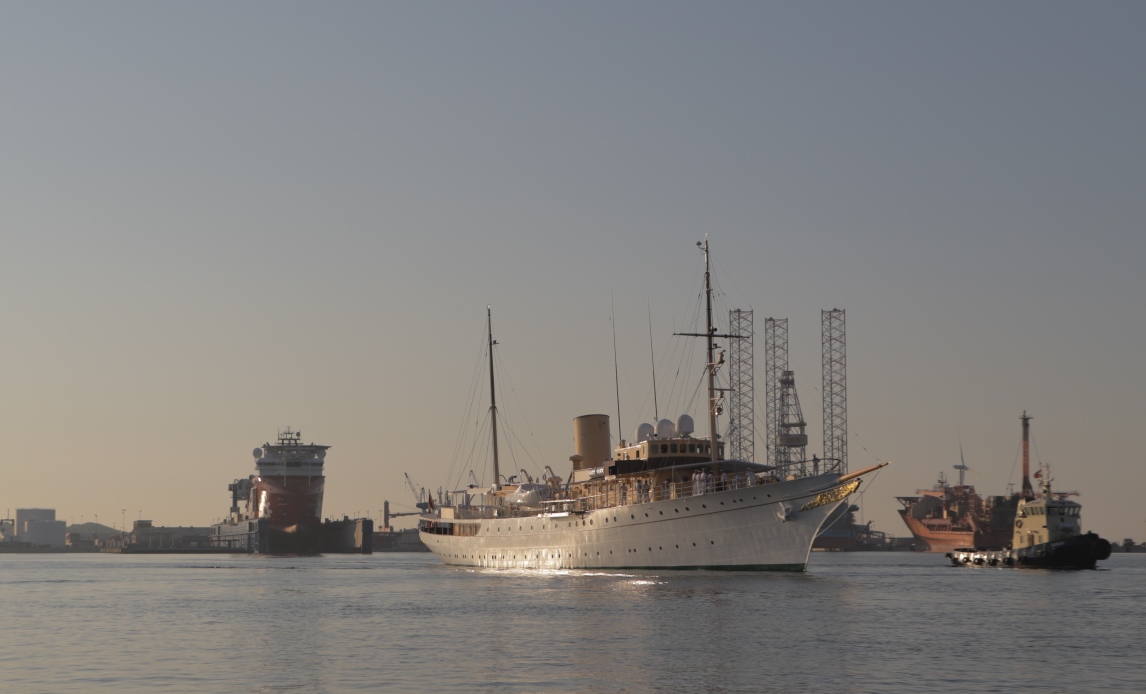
(666, 501)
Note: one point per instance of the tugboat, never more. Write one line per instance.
(1048, 530)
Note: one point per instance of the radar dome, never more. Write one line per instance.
(258, 453)
(645, 432)
(665, 429)
(684, 425)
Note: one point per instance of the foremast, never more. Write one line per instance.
(492, 400)
(711, 347)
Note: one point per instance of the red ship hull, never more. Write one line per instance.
(290, 501)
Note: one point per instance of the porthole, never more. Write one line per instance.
(661, 548)
(704, 505)
(632, 516)
(646, 515)
(662, 513)
(650, 549)
(686, 508)
(590, 522)
(678, 546)
(712, 542)
(694, 544)
(721, 503)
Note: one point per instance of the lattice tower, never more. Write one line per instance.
(775, 364)
(835, 391)
(793, 438)
(742, 405)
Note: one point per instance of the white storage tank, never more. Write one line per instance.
(23, 515)
(591, 440)
(51, 533)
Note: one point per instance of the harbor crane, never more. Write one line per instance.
(418, 492)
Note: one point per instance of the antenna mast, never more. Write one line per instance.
(492, 400)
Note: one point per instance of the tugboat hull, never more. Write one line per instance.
(1080, 552)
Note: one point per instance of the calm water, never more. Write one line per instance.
(403, 622)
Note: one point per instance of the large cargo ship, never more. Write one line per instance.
(665, 500)
(278, 510)
(949, 516)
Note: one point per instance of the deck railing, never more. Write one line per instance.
(619, 494)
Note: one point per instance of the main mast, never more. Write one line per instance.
(492, 400)
(711, 335)
(1028, 491)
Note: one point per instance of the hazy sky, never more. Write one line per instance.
(220, 219)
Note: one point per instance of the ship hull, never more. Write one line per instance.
(291, 504)
(762, 528)
(1079, 552)
(932, 540)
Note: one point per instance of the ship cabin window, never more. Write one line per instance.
(692, 448)
(664, 448)
(673, 448)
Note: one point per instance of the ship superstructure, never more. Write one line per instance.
(665, 500)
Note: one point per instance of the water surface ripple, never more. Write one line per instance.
(867, 622)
